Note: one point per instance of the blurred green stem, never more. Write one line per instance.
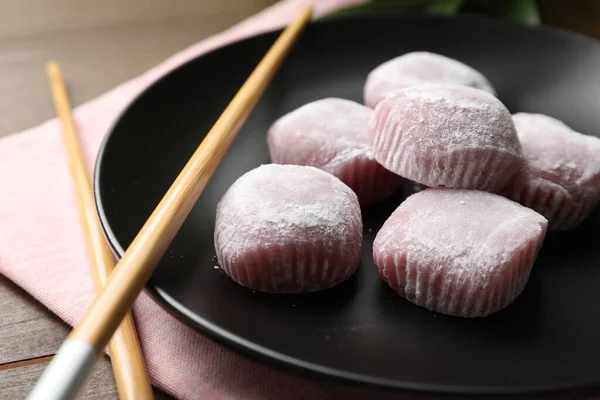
(523, 11)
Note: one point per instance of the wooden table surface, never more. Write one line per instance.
(101, 44)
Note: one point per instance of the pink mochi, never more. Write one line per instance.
(288, 229)
(420, 67)
(446, 136)
(459, 252)
(560, 178)
(332, 134)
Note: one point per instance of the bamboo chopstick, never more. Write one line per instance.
(72, 363)
(125, 353)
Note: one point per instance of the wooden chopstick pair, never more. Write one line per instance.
(125, 353)
(70, 366)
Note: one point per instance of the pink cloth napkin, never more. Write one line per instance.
(41, 246)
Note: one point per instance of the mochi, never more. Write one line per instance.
(464, 253)
(420, 67)
(332, 134)
(288, 229)
(446, 136)
(560, 178)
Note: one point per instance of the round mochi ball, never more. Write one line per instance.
(288, 229)
(420, 67)
(459, 252)
(333, 135)
(560, 177)
(446, 136)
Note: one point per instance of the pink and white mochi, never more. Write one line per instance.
(332, 134)
(288, 229)
(459, 252)
(420, 67)
(446, 136)
(560, 178)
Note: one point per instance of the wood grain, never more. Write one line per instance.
(16, 383)
(41, 16)
(99, 45)
(26, 362)
(27, 329)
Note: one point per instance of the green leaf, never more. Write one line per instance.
(444, 6)
(524, 11)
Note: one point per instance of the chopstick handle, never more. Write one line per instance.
(137, 264)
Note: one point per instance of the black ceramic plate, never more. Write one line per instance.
(361, 331)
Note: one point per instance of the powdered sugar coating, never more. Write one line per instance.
(288, 229)
(459, 252)
(332, 134)
(420, 67)
(450, 136)
(560, 177)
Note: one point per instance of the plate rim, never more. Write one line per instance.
(279, 361)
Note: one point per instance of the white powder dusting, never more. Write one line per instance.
(465, 260)
(429, 117)
(332, 134)
(560, 178)
(452, 136)
(279, 203)
(420, 67)
(464, 229)
(555, 152)
(323, 134)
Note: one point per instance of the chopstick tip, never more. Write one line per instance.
(52, 67)
(309, 9)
